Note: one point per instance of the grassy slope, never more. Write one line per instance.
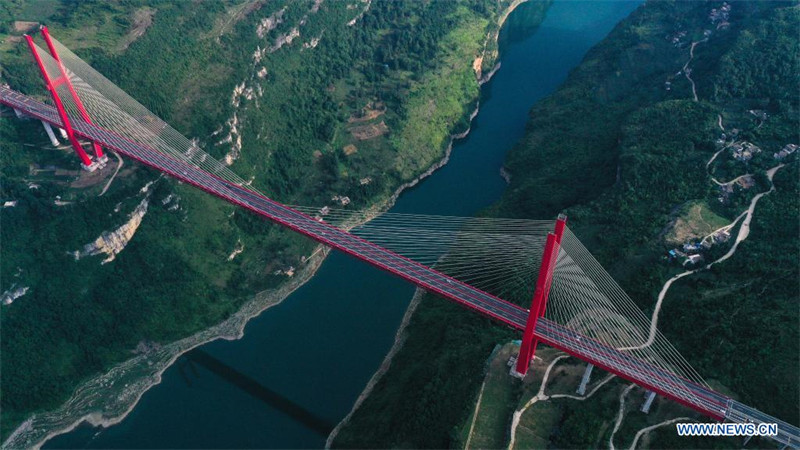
(613, 117)
(173, 278)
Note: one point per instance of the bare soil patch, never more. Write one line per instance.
(369, 131)
(142, 19)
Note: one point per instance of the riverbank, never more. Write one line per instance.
(295, 133)
(634, 143)
(401, 335)
(428, 387)
(108, 399)
(91, 404)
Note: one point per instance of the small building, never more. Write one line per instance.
(342, 200)
(722, 236)
(693, 259)
(744, 151)
(692, 247)
(746, 182)
(787, 150)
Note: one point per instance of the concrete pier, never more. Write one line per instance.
(648, 401)
(585, 380)
(50, 134)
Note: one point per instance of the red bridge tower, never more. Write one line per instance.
(86, 161)
(539, 302)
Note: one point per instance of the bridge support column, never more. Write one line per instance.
(98, 151)
(648, 401)
(585, 380)
(63, 133)
(20, 114)
(86, 162)
(50, 134)
(539, 303)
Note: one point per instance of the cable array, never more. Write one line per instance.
(111, 108)
(586, 299)
(499, 256)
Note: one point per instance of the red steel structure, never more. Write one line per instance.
(535, 326)
(52, 86)
(540, 295)
(692, 395)
(64, 78)
(62, 113)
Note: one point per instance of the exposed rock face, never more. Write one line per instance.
(113, 242)
(12, 294)
(285, 39)
(268, 24)
(355, 20)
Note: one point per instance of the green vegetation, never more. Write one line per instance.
(621, 155)
(696, 221)
(410, 61)
(432, 384)
(486, 426)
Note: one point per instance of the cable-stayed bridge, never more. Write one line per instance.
(577, 307)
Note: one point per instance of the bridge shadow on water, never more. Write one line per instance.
(254, 388)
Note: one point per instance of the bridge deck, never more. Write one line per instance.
(641, 372)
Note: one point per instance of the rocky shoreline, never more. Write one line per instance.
(110, 408)
(95, 403)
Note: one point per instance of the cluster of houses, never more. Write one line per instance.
(787, 150)
(676, 38)
(325, 210)
(724, 136)
(692, 251)
(727, 189)
(744, 151)
(719, 16)
(289, 272)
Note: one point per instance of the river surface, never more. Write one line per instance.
(301, 364)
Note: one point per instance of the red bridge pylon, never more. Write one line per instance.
(540, 295)
(52, 86)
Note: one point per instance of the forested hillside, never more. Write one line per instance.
(625, 150)
(310, 100)
(627, 154)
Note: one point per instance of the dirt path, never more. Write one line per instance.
(687, 71)
(744, 232)
(475, 415)
(620, 415)
(541, 396)
(119, 166)
(646, 430)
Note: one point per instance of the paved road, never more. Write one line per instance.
(623, 364)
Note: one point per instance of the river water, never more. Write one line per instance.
(301, 364)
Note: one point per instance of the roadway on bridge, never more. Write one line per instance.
(641, 372)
